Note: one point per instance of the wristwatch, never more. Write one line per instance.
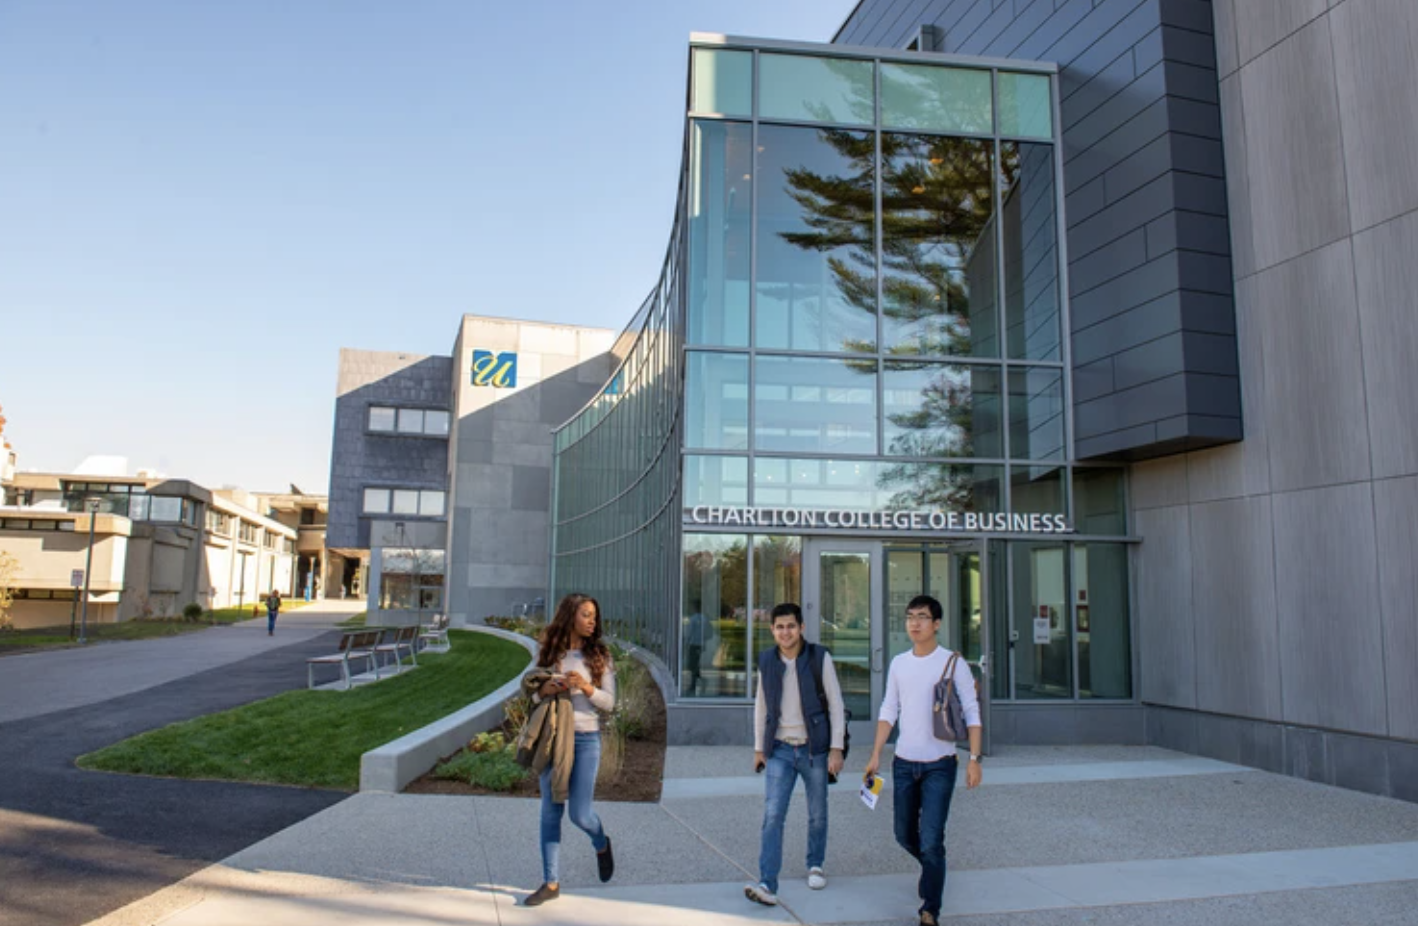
(976, 759)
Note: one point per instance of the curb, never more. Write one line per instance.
(392, 766)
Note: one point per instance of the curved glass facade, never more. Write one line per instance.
(856, 390)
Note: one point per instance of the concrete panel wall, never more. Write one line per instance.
(1319, 127)
(500, 495)
(1149, 255)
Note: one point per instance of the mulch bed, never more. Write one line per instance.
(639, 780)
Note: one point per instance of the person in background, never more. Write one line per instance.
(572, 648)
(273, 607)
(924, 769)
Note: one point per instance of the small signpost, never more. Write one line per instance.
(76, 578)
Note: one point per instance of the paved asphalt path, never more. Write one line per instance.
(75, 845)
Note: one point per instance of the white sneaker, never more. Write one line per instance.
(816, 879)
(759, 893)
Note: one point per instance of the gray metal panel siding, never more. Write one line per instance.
(360, 459)
(1145, 198)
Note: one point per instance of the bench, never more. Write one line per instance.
(435, 634)
(357, 644)
(402, 638)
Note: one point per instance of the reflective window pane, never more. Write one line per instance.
(1100, 589)
(941, 410)
(816, 276)
(1043, 656)
(815, 89)
(815, 405)
(381, 419)
(410, 421)
(1025, 107)
(435, 423)
(823, 485)
(431, 503)
(1031, 273)
(944, 486)
(1037, 489)
(1036, 414)
(1099, 506)
(715, 480)
(406, 501)
(777, 577)
(714, 624)
(721, 199)
(716, 401)
(938, 262)
(722, 82)
(938, 99)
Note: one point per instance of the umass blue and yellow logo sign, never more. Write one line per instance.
(498, 370)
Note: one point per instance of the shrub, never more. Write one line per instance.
(193, 612)
(526, 626)
(496, 769)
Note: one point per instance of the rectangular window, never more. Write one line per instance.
(406, 501)
(715, 480)
(165, 509)
(431, 504)
(380, 418)
(808, 89)
(936, 99)
(713, 625)
(1100, 603)
(1026, 109)
(941, 410)
(1031, 273)
(435, 423)
(813, 405)
(716, 401)
(410, 421)
(1036, 414)
(721, 187)
(722, 82)
(376, 501)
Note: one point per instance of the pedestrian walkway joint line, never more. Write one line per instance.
(1062, 773)
(487, 865)
(751, 876)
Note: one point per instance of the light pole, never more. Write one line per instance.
(92, 505)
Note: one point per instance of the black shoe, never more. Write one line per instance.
(541, 895)
(605, 862)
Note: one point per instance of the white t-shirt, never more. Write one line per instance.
(910, 694)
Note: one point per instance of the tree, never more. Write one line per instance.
(9, 584)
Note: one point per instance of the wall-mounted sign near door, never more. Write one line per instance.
(498, 370)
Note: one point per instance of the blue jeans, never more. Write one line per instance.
(922, 792)
(271, 620)
(579, 795)
(785, 763)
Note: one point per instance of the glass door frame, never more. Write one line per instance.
(813, 548)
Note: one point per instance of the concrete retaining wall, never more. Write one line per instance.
(392, 766)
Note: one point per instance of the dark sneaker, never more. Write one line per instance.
(541, 895)
(759, 893)
(605, 862)
(928, 919)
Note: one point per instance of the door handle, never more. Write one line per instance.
(984, 663)
(876, 659)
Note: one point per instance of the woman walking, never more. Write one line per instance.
(580, 672)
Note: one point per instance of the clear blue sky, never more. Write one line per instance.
(201, 202)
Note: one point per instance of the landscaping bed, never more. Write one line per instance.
(316, 738)
(633, 749)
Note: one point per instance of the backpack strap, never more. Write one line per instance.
(816, 656)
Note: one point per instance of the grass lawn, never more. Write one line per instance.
(315, 738)
(136, 629)
(354, 622)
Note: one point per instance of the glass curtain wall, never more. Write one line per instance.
(616, 474)
(873, 284)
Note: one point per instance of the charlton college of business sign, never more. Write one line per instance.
(497, 370)
(934, 521)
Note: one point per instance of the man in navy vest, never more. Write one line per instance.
(798, 727)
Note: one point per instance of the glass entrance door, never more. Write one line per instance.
(953, 574)
(841, 611)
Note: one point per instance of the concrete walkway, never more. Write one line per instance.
(1056, 835)
(45, 681)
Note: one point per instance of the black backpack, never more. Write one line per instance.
(815, 659)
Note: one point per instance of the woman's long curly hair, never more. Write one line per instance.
(556, 638)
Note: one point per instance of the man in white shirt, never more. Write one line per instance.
(923, 772)
(798, 728)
